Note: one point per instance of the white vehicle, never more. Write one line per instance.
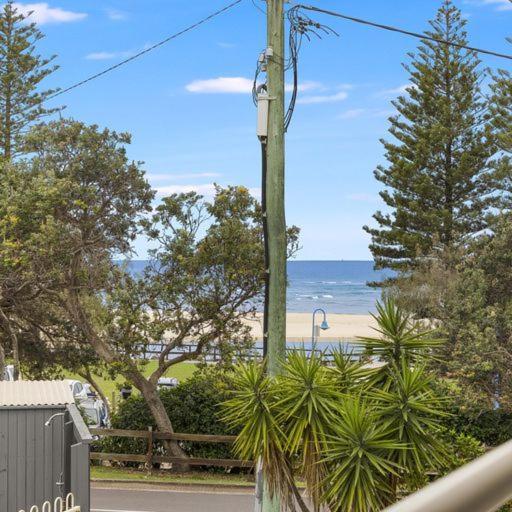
(90, 390)
(78, 389)
(167, 382)
(9, 372)
(95, 412)
(87, 400)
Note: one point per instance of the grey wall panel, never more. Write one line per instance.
(80, 475)
(3, 461)
(40, 416)
(30, 457)
(12, 466)
(31, 461)
(21, 457)
(33, 456)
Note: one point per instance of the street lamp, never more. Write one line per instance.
(324, 325)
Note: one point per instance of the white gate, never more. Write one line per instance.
(59, 505)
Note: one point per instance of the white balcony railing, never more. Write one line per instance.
(480, 486)
(59, 505)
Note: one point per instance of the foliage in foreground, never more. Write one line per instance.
(471, 307)
(357, 447)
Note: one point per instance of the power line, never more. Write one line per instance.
(147, 50)
(403, 31)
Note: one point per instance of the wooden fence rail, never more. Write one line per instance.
(150, 458)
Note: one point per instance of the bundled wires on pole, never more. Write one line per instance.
(300, 26)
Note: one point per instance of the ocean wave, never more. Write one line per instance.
(327, 296)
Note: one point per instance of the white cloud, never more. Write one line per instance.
(221, 85)
(226, 45)
(205, 189)
(187, 176)
(352, 113)
(394, 91)
(239, 85)
(383, 112)
(116, 15)
(42, 13)
(326, 98)
(501, 5)
(401, 89)
(102, 55)
(305, 86)
(360, 112)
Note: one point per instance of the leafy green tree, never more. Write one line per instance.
(21, 105)
(478, 322)
(500, 106)
(21, 73)
(470, 306)
(207, 270)
(437, 185)
(25, 204)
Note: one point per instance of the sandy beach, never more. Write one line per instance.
(298, 326)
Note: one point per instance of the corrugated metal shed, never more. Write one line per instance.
(44, 446)
(26, 393)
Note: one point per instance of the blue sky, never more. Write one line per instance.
(193, 121)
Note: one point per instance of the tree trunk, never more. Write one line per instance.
(163, 423)
(14, 344)
(15, 356)
(2, 362)
(148, 390)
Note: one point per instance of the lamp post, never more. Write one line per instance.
(324, 325)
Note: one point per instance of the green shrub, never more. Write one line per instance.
(193, 408)
(490, 427)
(462, 448)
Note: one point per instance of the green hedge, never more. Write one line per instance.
(193, 407)
(490, 427)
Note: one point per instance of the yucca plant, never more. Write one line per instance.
(348, 373)
(399, 339)
(253, 410)
(358, 458)
(412, 410)
(355, 436)
(308, 404)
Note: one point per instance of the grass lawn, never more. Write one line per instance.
(194, 477)
(182, 371)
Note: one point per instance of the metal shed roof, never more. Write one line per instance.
(32, 393)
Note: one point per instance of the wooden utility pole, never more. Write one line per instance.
(275, 211)
(275, 187)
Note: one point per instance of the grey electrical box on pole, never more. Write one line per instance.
(262, 128)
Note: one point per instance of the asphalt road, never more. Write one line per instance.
(161, 500)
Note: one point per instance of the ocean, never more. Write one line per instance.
(336, 286)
